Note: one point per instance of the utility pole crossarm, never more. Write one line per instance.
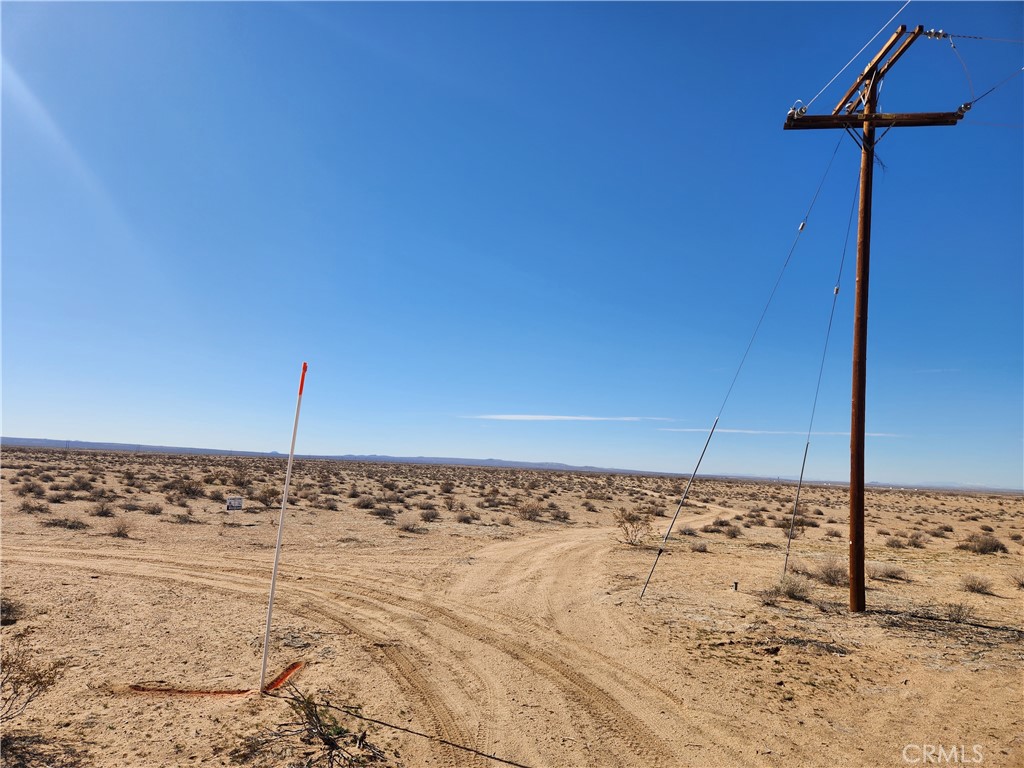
(796, 121)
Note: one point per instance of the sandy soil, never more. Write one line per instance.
(502, 640)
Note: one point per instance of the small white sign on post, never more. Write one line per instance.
(234, 503)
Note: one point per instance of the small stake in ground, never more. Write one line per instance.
(280, 530)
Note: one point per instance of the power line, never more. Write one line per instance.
(858, 53)
(764, 312)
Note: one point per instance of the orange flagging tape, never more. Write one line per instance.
(281, 679)
(273, 685)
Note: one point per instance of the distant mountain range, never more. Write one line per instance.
(84, 445)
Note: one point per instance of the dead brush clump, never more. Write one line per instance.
(121, 530)
(69, 523)
(429, 514)
(1017, 579)
(22, 680)
(633, 526)
(833, 572)
(792, 586)
(316, 731)
(407, 522)
(886, 571)
(102, 509)
(959, 613)
(30, 507)
(530, 509)
(982, 544)
(796, 587)
(977, 584)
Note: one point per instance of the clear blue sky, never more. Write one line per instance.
(456, 212)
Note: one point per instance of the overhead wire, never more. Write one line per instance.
(847, 65)
(750, 344)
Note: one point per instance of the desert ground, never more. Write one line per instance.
(458, 616)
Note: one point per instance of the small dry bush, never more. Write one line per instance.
(1017, 579)
(121, 530)
(464, 516)
(530, 509)
(407, 522)
(102, 509)
(918, 540)
(33, 507)
(961, 613)
(834, 573)
(11, 611)
(886, 571)
(383, 512)
(184, 518)
(560, 515)
(973, 582)
(429, 514)
(795, 587)
(22, 679)
(699, 546)
(982, 544)
(316, 732)
(70, 523)
(268, 496)
(365, 502)
(633, 525)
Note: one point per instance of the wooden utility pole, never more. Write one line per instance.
(859, 108)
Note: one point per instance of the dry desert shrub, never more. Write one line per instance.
(961, 613)
(314, 730)
(22, 679)
(32, 507)
(886, 571)
(699, 546)
(795, 587)
(429, 514)
(982, 544)
(558, 514)
(11, 611)
(407, 522)
(70, 523)
(834, 573)
(530, 509)
(977, 584)
(633, 525)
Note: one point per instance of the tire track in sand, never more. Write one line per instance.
(599, 692)
(226, 580)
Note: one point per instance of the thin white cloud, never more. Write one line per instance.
(773, 432)
(547, 417)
